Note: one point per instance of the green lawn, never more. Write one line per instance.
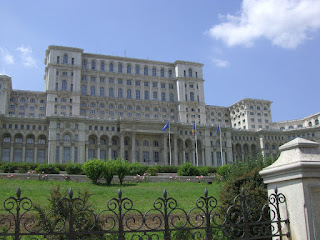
(142, 194)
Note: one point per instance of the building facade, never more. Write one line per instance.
(100, 106)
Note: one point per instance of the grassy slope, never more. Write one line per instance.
(142, 194)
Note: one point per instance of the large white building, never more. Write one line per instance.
(100, 106)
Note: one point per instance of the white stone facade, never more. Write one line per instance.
(100, 106)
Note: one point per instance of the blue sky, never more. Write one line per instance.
(265, 49)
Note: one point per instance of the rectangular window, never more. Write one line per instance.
(145, 156)
(93, 79)
(156, 157)
(111, 80)
(137, 83)
(155, 85)
(92, 154)
(128, 82)
(146, 84)
(120, 81)
(41, 156)
(66, 155)
(163, 85)
(6, 154)
(102, 79)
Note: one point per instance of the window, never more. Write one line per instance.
(145, 143)
(163, 97)
(154, 72)
(111, 80)
(137, 83)
(120, 81)
(137, 94)
(92, 91)
(146, 84)
(120, 68)
(170, 86)
(120, 95)
(190, 72)
(64, 85)
(156, 157)
(111, 92)
(22, 100)
(155, 96)
(171, 97)
(101, 91)
(66, 138)
(146, 95)
(65, 59)
(58, 60)
(84, 64)
(129, 94)
(145, 71)
(93, 65)
(162, 73)
(83, 90)
(111, 67)
(102, 66)
(163, 85)
(191, 96)
(137, 70)
(170, 74)
(129, 69)
(128, 82)
(154, 84)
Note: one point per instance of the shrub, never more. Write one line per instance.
(167, 169)
(212, 169)
(109, 171)
(204, 171)
(74, 168)
(224, 171)
(122, 168)
(33, 166)
(23, 167)
(253, 185)
(187, 169)
(9, 167)
(47, 169)
(61, 166)
(153, 171)
(137, 169)
(93, 169)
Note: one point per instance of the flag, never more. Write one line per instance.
(165, 126)
(194, 128)
(218, 129)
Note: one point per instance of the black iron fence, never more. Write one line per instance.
(20, 219)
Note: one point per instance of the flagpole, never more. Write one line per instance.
(195, 137)
(221, 146)
(169, 146)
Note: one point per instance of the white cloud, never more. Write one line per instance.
(220, 62)
(26, 56)
(286, 23)
(6, 56)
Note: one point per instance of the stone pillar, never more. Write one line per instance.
(203, 161)
(175, 151)
(11, 152)
(109, 151)
(133, 147)
(296, 174)
(121, 146)
(165, 150)
(98, 151)
(23, 152)
(184, 155)
(36, 153)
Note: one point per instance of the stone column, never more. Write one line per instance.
(109, 151)
(72, 153)
(165, 150)
(11, 152)
(133, 147)
(98, 151)
(23, 152)
(203, 161)
(121, 146)
(36, 152)
(184, 154)
(175, 151)
(296, 174)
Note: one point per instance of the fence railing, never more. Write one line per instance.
(73, 219)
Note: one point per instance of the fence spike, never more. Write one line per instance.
(243, 192)
(164, 193)
(206, 192)
(119, 193)
(18, 192)
(70, 193)
(276, 190)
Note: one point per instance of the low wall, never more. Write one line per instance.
(162, 177)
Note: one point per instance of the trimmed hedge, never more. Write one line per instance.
(74, 168)
(47, 169)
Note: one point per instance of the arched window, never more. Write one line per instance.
(299, 126)
(92, 141)
(163, 97)
(156, 143)
(171, 97)
(154, 72)
(162, 73)
(64, 85)
(7, 139)
(120, 106)
(120, 68)
(191, 96)
(310, 124)
(103, 141)
(129, 69)
(66, 138)
(30, 140)
(111, 67)
(190, 72)
(146, 109)
(155, 109)
(316, 122)
(101, 105)
(138, 94)
(32, 100)
(120, 95)
(145, 143)
(170, 74)
(111, 106)
(111, 92)
(42, 140)
(137, 70)
(145, 71)
(146, 95)
(128, 94)
(114, 141)
(18, 139)
(102, 66)
(84, 64)
(63, 100)
(93, 65)
(22, 100)
(155, 96)
(83, 90)
(282, 128)
(101, 91)
(65, 59)
(92, 91)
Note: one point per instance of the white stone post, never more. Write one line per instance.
(296, 174)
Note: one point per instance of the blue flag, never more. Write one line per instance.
(218, 129)
(194, 128)
(165, 126)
